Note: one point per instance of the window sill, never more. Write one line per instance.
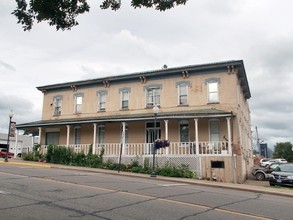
(124, 109)
(210, 103)
(151, 106)
(183, 105)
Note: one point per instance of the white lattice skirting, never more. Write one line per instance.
(193, 162)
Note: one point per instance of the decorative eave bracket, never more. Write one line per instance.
(73, 88)
(106, 84)
(185, 74)
(143, 79)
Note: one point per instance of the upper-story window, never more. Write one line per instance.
(102, 95)
(124, 97)
(182, 92)
(153, 95)
(57, 101)
(213, 89)
(78, 102)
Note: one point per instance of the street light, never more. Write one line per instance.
(9, 127)
(155, 111)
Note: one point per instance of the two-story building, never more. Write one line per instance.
(203, 112)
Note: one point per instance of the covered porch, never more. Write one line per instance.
(198, 132)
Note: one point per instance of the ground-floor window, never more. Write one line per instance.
(77, 135)
(214, 128)
(100, 135)
(52, 138)
(184, 131)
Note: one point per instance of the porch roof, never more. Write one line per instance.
(201, 113)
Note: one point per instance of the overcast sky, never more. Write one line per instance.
(259, 32)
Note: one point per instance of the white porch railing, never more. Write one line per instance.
(219, 148)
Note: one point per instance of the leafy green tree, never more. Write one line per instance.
(63, 13)
(284, 150)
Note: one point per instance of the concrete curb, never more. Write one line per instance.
(244, 187)
(26, 164)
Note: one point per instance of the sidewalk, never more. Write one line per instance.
(249, 185)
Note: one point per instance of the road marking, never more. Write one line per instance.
(232, 212)
(5, 193)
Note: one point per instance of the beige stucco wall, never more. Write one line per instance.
(197, 97)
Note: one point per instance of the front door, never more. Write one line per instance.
(152, 133)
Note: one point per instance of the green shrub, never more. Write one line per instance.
(65, 155)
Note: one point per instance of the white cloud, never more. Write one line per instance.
(113, 43)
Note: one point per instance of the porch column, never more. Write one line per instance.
(94, 138)
(123, 137)
(166, 134)
(229, 135)
(68, 135)
(196, 135)
(40, 135)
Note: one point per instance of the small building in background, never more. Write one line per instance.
(18, 144)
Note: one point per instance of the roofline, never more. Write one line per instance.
(153, 73)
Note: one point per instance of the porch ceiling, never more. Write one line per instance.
(201, 113)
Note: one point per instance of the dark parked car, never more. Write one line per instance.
(261, 173)
(282, 175)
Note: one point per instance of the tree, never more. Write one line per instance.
(284, 150)
(63, 13)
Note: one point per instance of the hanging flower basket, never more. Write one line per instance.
(161, 143)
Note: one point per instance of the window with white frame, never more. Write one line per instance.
(102, 95)
(100, 135)
(153, 95)
(182, 92)
(184, 131)
(124, 97)
(78, 102)
(57, 100)
(213, 89)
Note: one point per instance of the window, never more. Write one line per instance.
(57, 100)
(184, 131)
(100, 136)
(213, 89)
(78, 102)
(153, 94)
(52, 138)
(77, 135)
(102, 100)
(214, 127)
(213, 92)
(124, 97)
(182, 92)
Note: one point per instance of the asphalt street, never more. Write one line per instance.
(44, 191)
